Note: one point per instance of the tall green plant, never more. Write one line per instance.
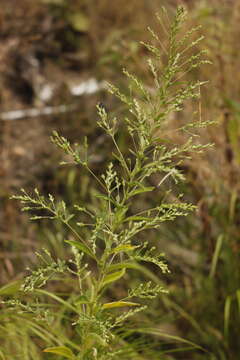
(106, 242)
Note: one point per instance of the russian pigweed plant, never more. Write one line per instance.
(110, 245)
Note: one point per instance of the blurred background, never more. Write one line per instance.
(55, 59)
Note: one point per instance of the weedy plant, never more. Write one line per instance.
(106, 240)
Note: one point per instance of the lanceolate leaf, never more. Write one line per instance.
(162, 334)
(11, 288)
(141, 190)
(137, 218)
(123, 265)
(117, 304)
(124, 248)
(113, 277)
(2, 357)
(238, 301)
(61, 350)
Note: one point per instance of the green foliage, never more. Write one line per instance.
(111, 243)
(61, 350)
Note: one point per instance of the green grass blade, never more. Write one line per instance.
(2, 357)
(227, 313)
(157, 332)
(238, 300)
(216, 256)
(57, 298)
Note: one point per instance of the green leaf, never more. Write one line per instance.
(227, 313)
(216, 256)
(57, 298)
(233, 129)
(123, 265)
(125, 248)
(2, 357)
(69, 217)
(137, 218)
(238, 300)
(82, 247)
(117, 304)
(113, 277)
(141, 190)
(120, 213)
(11, 288)
(162, 334)
(61, 350)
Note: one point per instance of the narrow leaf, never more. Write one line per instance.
(61, 350)
(238, 300)
(162, 334)
(113, 277)
(137, 218)
(11, 288)
(216, 256)
(2, 357)
(117, 304)
(57, 298)
(227, 310)
(141, 190)
(124, 265)
(125, 248)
